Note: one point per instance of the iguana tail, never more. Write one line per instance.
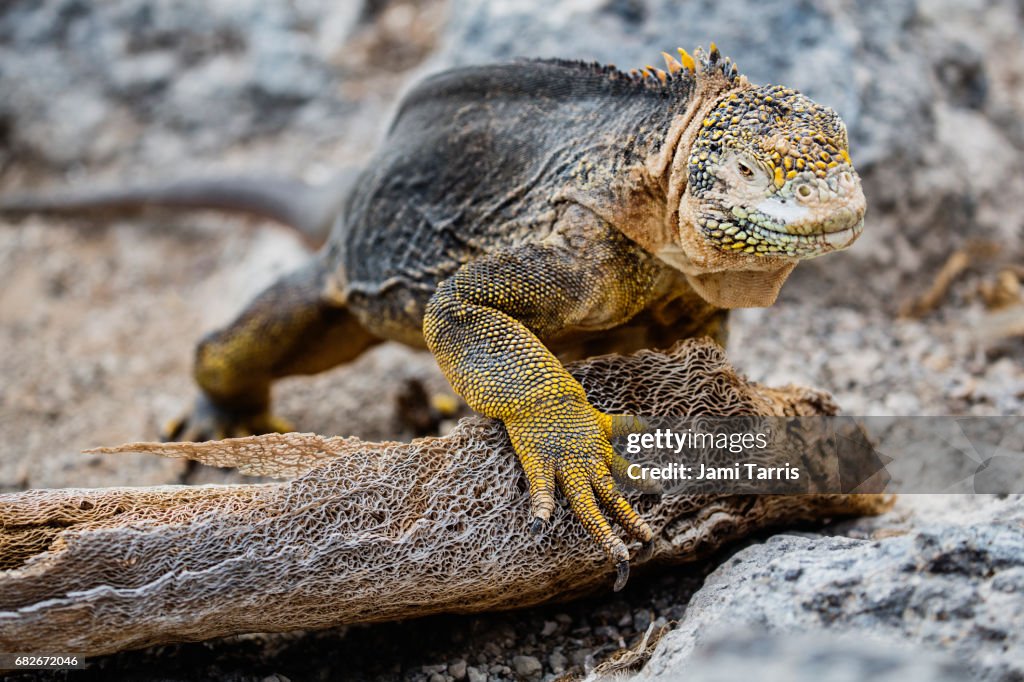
(309, 209)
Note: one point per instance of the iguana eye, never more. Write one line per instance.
(745, 170)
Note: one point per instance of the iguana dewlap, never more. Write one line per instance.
(520, 213)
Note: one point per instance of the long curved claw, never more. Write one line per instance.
(621, 575)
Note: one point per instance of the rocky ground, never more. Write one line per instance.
(98, 318)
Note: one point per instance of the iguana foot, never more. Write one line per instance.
(208, 421)
(568, 446)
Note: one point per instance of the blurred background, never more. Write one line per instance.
(98, 318)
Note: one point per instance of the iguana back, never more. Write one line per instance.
(480, 158)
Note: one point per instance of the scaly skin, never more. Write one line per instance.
(524, 212)
(486, 327)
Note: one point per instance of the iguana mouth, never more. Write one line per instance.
(750, 235)
(817, 243)
(843, 238)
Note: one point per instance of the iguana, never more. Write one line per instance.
(521, 213)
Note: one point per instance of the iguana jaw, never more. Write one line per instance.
(805, 217)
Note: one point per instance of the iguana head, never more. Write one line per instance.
(769, 174)
(761, 178)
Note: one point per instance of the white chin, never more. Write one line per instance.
(843, 238)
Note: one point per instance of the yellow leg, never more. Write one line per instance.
(482, 326)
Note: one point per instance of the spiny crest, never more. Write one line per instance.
(687, 68)
(680, 75)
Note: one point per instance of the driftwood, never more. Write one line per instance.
(360, 532)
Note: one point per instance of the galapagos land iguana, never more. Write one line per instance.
(524, 213)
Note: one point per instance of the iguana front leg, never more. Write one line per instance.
(288, 329)
(484, 325)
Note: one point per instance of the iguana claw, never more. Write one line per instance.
(621, 575)
(568, 448)
(646, 551)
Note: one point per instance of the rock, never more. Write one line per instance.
(557, 661)
(457, 669)
(815, 657)
(947, 584)
(475, 675)
(642, 620)
(209, 73)
(527, 666)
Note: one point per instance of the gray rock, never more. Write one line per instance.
(475, 674)
(947, 585)
(76, 74)
(527, 666)
(557, 661)
(579, 658)
(815, 657)
(642, 620)
(457, 669)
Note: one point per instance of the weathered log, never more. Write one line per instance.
(361, 532)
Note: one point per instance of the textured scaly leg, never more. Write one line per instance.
(288, 329)
(484, 326)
